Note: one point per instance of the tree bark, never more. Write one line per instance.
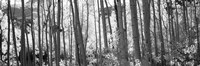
(197, 27)
(87, 28)
(135, 30)
(8, 43)
(95, 25)
(155, 29)
(79, 35)
(108, 16)
(58, 36)
(123, 47)
(161, 34)
(50, 35)
(99, 61)
(177, 24)
(104, 25)
(32, 33)
(39, 34)
(146, 18)
(23, 35)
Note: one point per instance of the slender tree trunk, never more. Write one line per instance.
(141, 27)
(99, 63)
(23, 35)
(47, 43)
(169, 31)
(71, 43)
(32, 33)
(39, 34)
(109, 13)
(75, 35)
(50, 35)
(104, 24)
(116, 10)
(125, 31)
(70, 35)
(135, 30)
(58, 34)
(28, 54)
(155, 29)
(197, 27)
(1, 40)
(42, 29)
(8, 46)
(177, 24)
(184, 17)
(46, 31)
(95, 25)
(65, 54)
(161, 34)
(87, 28)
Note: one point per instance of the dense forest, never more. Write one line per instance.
(99, 33)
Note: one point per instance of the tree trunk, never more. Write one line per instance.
(75, 35)
(123, 47)
(8, 46)
(23, 35)
(79, 35)
(99, 62)
(58, 36)
(110, 28)
(197, 27)
(177, 24)
(46, 33)
(39, 34)
(87, 28)
(116, 10)
(32, 33)
(1, 41)
(161, 34)
(141, 31)
(95, 25)
(65, 54)
(135, 30)
(71, 33)
(50, 36)
(104, 25)
(155, 29)
(146, 17)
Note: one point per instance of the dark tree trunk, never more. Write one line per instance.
(23, 35)
(135, 29)
(146, 11)
(8, 46)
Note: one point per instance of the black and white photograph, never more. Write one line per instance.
(99, 33)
